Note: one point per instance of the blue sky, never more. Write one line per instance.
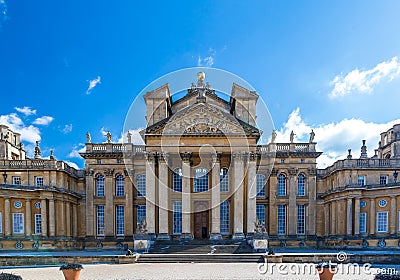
(328, 65)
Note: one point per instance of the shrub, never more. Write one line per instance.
(9, 276)
(71, 266)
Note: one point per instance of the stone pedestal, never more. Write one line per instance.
(215, 236)
(186, 236)
(163, 236)
(238, 235)
(142, 242)
(259, 242)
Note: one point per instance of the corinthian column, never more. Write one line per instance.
(251, 193)
(215, 197)
(163, 197)
(238, 162)
(186, 203)
(150, 192)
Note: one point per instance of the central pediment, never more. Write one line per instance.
(202, 119)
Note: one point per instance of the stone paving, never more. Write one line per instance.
(289, 271)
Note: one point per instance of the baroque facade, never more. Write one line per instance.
(200, 174)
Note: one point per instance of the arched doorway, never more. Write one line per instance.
(201, 219)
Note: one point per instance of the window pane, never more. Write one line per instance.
(141, 185)
(100, 185)
(140, 215)
(281, 185)
(119, 186)
(200, 180)
(177, 216)
(224, 180)
(382, 222)
(177, 180)
(260, 213)
(18, 223)
(224, 217)
(100, 220)
(16, 180)
(260, 184)
(120, 223)
(363, 222)
(38, 223)
(301, 225)
(39, 181)
(301, 185)
(281, 219)
(361, 180)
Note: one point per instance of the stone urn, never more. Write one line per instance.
(71, 271)
(326, 270)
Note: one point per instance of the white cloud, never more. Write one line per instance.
(92, 84)
(67, 128)
(80, 148)
(27, 111)
(28, 133)
(45, 120)
(334, 139)
(72, 164)
(3, 12)
(364, 81)
(207, 61)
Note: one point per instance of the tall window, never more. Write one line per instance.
(140, 215)
(382, 222)
(100, 220)
(18, 223)
(281, 219)
(100, 185)
(383, 179)
(119, 186)
(39, 181)
(281, 185)
(141, 185)
(16, 180)
(260, 213)
(177, 216)
(301, 219)
(119, 220)
(200, 180)
(361, 180)
(38, 223)
(363, 222)
(1, 223)
(177, 180)
(224, 217)
(260, 185)
(224, 180)
(301, 185)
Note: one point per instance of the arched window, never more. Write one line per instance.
(281, 185)
(100, 185)
(301, 185)
(119, 185)
(177, 180)
(260, 183)
(224, 180)
(141, 185)
(200, 180)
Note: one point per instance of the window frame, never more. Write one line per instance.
(282, 184)
(379, 222)
(225, 217)
(177, 217)
(200, 182)
(301, 183)
(361, 180)
(100, 185)
(177, 180)
(39, 181)
(21, 224)
(100, 220)
(261, 209)
(260, 185)
(119, 185)
(141, 212)
(16, 178)
(224, 179)
(119, 220)
(363, 222)
(301, 223)
(141, 185)
(386, 180)
(38, 224)
(281, 213)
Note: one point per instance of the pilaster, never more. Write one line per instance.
(238, 162)
(163, 194)
(151, 192)
(186, 193)
(215, 197)
(251, 193)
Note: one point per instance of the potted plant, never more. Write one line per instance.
(71, 271)
(326, 270)
(9, 276)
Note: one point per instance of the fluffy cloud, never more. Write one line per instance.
(80, 148)
(45, 120)
(364, 81)
(27, 111)
(135, 138)
(3, 12)
(92, 84)
(335, 138)
(72, 164)
(28, 133)
(67, 128)
(207, 61)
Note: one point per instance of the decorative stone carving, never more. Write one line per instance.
(274, 172)
(293, 171)
(37, 151)
(216, 157)
(163, 157)
(186, 156)
(129, 136)
(109, 136)
(259, 227)
(292, 136)
(202, 128)
(88, 138)
(143, 227)
(253, 156)
(150, 155)
(312, 135)
(109, 171)
(130, 172)
(273, 136)
(312, 171)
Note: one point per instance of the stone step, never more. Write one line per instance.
(200, 258)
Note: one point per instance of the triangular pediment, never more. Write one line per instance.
(202, 119)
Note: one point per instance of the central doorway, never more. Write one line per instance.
(201, 219)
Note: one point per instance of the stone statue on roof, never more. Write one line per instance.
(88, 138)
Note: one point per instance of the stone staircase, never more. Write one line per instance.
(187, 251)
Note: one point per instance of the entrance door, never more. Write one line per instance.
(201, 219)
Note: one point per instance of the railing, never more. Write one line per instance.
(359, 187)
(114, 148)
(47, 188)
(360, 163)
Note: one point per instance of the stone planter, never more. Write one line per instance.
(326, 271)
(71, 271)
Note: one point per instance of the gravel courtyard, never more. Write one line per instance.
(196, 271)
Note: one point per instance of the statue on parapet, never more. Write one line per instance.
(37, 151)
(273, 136)
(108, 135)
(88, 138)
(312, 135)
(292, 136)
(129, 136)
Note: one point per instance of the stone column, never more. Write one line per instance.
(393, 212)
(61, 207)
(186, 190)
(215, 197)
(292, 215)
(150, 192)
(238, 195)
(311, 216)
(109, 207)
(129, 202)
(52, 221)
(339, 217)
(349, 219)
(28, 218)
(252, 193)
(333, 217)
(327, 218)
(74, 220)
(7, 216)
(163, 195)
(43, 212)
(90, 219)
(372, 216)
(68, 218)
(357, 216)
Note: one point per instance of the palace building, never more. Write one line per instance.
(201, 174)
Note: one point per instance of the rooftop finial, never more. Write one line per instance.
(363, 150)
(37, 151)
(200, 79)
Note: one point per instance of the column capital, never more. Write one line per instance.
(109, 172)
(253, 156)
(186, 156)
(239, 155)
(163, 157)
(216, 157)
(150, 155)
(129, 172)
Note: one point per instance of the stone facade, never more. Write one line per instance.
(200, 174)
